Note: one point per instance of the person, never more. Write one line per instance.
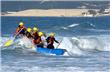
(43, 39)
(28, 33)
(21, 29)
(35, 32)
(37, 41)
(50, 41)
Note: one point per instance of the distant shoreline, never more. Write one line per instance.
(51, 13)
(57, 16)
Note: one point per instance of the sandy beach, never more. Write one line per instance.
(49, 12)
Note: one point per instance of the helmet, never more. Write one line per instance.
(40, 33)
(52, 34)
(35, 29)
(21, 23)
(29, 30)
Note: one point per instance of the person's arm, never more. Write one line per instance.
(17, 30)
(47, 39)
(43, 38)
(56, 40)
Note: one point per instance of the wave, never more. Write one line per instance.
(74, 45)
(99, 30)
(79, 26)
(82, 44)
(65, 28)
(73, 25)
(70, 26)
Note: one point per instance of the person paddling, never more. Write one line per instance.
(40, 40)
(28, 33)
(50, 41)
(21, 28)
(37, 41)
(35, 32)
(44, 42)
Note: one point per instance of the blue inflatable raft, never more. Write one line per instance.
(50, 51)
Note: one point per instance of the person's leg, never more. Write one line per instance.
(40, 45)
(50, 46)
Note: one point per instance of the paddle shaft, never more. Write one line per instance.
(17, 33)
(59, 43)
(8, 43)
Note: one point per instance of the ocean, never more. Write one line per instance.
(86, 39)
(15, 6)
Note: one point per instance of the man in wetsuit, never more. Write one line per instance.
(28, 33)
(38, 41)
(51, 40)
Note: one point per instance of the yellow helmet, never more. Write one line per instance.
(40, 33)
(52, 34)
(35, 29)
(21, 23)
(28, 29)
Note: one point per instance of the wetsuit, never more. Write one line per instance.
(28, 34)
(50, 42)
(35, 35)
(37, 41)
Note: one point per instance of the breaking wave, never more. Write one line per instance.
(79, 45)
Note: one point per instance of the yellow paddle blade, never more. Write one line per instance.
(8, 43)
(32, 46)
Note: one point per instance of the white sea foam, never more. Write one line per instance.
(92, 25)
(76, 45)
(73, 25)
(64, 28)
(70, 26)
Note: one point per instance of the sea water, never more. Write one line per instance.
(86, 39)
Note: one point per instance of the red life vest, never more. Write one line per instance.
(37, 41)
(19, 28)
(35, 35)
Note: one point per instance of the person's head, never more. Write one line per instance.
(21, 24)
(52, 34)
(35, 29)
(40, 33)
(29, 30)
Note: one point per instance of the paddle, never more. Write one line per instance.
(59, 43)
(9, 42)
